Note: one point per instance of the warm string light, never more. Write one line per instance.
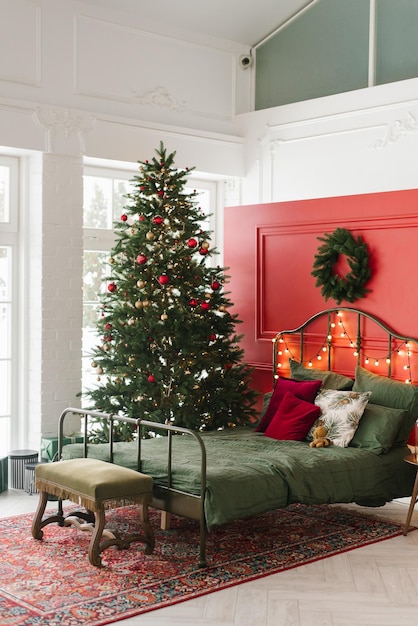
(343, 333)
(366, 358)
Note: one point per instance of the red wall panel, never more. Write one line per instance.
(270, 250)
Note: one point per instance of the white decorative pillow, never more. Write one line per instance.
(340, 414)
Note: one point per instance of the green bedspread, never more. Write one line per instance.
(248, 473)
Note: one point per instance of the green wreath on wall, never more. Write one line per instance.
(352, 286)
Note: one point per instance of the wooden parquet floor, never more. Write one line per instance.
(372, 586)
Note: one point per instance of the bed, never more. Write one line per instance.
(322, 373)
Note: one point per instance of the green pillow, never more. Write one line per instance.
(392, 394)
(378, 428)
(330, 380)
(266, 402)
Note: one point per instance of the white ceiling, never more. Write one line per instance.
(242, 21)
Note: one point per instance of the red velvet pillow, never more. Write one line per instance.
(293, 419)
(303, 389)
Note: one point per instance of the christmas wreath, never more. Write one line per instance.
(352, 286)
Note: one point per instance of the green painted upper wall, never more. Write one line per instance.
(326, 50)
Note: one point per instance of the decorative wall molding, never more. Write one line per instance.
(160, 96)
(21, 60)
(64, 124)
(130, 65)
(342, 123)
(396, 130)
(271, 241)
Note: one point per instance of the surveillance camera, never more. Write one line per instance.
(245, 61)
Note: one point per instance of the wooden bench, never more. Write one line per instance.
(96, 486)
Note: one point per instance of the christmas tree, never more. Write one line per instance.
(168, 349)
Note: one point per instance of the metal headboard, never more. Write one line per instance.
(355, 340)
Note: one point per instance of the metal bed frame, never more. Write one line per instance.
(170, 500)
(357, 342)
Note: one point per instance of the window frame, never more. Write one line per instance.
(9, 237)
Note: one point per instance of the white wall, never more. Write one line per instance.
(80, 79)
(360, 142)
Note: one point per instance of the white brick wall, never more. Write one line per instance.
(55, 300)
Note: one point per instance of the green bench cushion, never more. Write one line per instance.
(91, 482)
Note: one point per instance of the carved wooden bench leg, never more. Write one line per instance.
(38, 523)
(146, 525)
(94, 547)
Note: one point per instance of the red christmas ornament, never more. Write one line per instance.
(192, 243)
(108, 326)
(161, 192)
(141, 218)
(124, 217)
(212, 337)
(193, 302)
(158, 219)
(203, 251)
(151, 378)
(205, 306)
(141, 259)
(107, 338)
(163, 279)
(215, 285)
(111, 287)
(228, 366)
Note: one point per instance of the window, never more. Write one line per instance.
(104, 199)
(8, 299)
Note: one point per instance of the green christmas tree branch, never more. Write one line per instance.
(168, 348)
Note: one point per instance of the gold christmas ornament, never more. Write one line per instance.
(131, 321)
(164, 316)
(150, 235)
(111, 260)
(99, 370)
(140, 283)
(94, 364)
(205, 245)
(139, 304)
(146, 303)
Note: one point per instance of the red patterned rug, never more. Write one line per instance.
(51, 582)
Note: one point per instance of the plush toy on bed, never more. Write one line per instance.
(320, 439)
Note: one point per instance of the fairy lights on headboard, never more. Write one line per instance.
(337, 333)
